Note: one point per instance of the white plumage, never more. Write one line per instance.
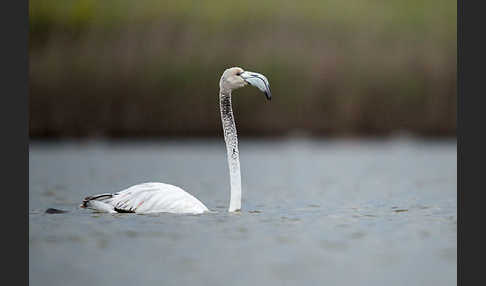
(164, 198)
(147, 198)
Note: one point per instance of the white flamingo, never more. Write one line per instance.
(160, 197)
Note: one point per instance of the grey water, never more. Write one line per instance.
(314, 212)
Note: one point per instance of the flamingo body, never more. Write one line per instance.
(147, 198)
(164, 198)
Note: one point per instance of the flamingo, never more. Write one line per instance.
(155, 197)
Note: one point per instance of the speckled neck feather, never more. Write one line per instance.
(231, 139)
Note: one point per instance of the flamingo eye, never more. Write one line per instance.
(238, 73)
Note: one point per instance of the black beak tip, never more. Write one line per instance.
(268, 95)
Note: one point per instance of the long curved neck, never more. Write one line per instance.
(231, 139)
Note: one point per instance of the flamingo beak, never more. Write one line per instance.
(259, 81)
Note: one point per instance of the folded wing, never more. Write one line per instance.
(150, 198)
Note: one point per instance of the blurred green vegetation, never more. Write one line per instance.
(135, 68)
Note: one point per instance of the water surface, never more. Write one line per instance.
(315, 212)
